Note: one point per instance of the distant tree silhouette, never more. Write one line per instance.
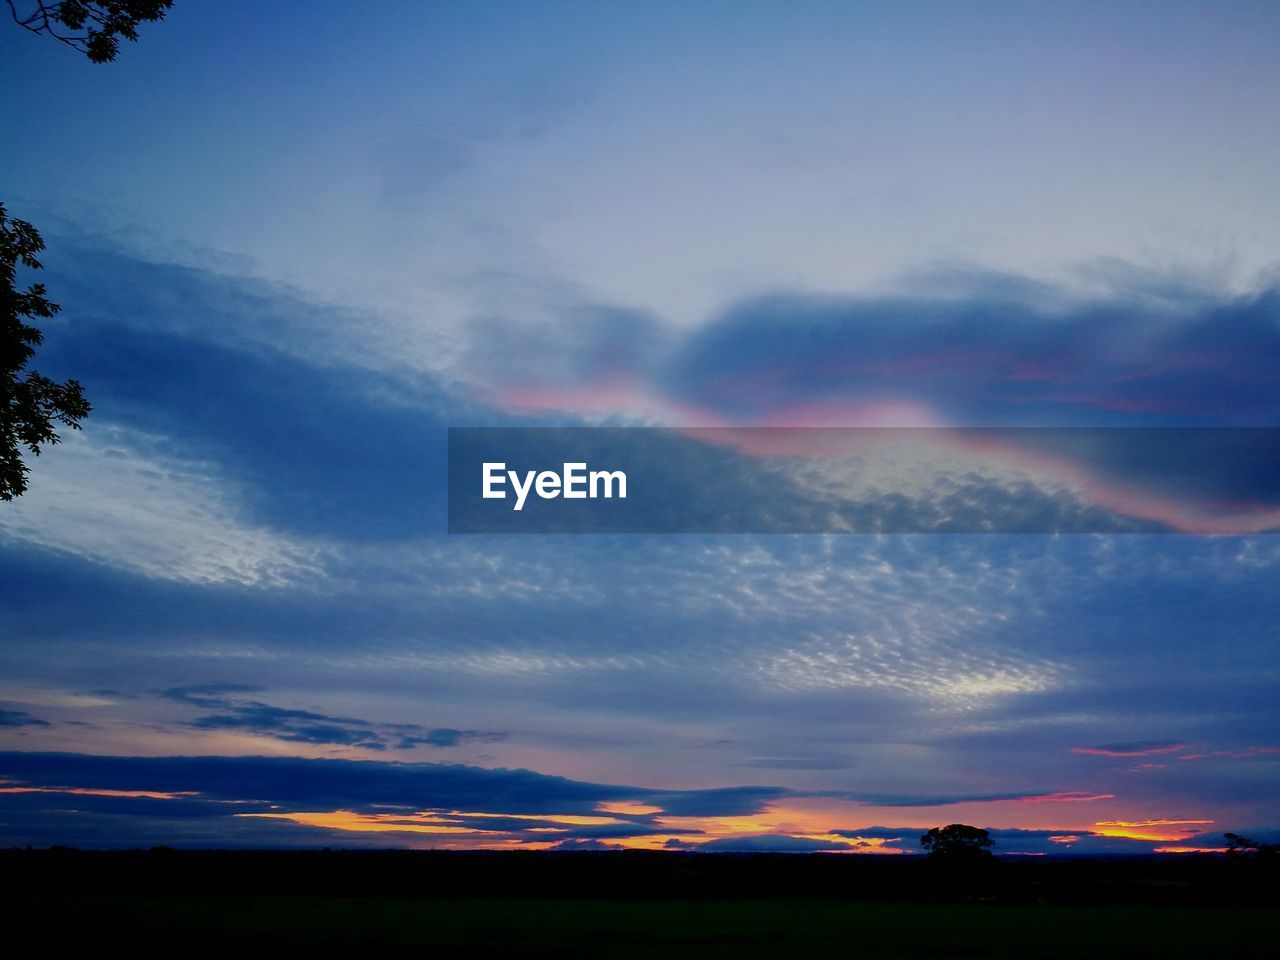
(31, 405)
(93, 27)
(1243, 846)
(957, 842)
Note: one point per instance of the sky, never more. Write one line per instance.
(294, 243)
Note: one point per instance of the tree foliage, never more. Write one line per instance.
(30, 404)
(93, 27)
(1244, 846)
(956, 842)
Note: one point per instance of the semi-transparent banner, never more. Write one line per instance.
(864, 480)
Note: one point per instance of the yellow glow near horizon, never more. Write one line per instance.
(628, 807)
(365, 823)
(432, 822)
(1154, 830)
(687, 832)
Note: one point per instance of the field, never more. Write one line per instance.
(641, 928)
(439, 904)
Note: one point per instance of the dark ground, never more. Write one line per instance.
(640, 904)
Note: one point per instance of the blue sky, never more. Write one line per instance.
(293, 245)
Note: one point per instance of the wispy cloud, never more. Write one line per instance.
(1134, 748)
(238, 713)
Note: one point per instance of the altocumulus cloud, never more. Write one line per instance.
(291, 534)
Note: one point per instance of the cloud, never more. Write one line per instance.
(1134, 748)
(232, 801)
(988, 351)
(947, 800)
(445, 737)
(116, 496)
(993, 354)
(716, 801)
(299, 429)
(206, 694)
(307, 726)
(311, 453)
(107, 287)
(942, 668)
(370, 786)
(416, 799)
(982, 348)
(19, 718)
(321, 430)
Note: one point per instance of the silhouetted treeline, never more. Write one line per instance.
(1185, 879)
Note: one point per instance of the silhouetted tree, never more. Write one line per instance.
(957, 842)
(93, 27)
(1243, 846)
(32, 405)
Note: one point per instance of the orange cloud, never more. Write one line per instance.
(628, 808)
(367, 822)
(1155, 830)
(1069, 796)
(147, 794)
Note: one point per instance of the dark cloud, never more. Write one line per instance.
(445, 737)
(322, 446)
(718, 801)
(108, 805)
(77, 820)
(293, 726)
(316, 451)
(294, 783)
(20, 718)
(208, 695)
(995, 353)
(306, 726)
(586, 845)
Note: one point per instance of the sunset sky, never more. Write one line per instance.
(295, 242)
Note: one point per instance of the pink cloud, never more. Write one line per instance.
(1145, 748)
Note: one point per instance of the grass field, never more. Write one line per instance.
(738, 928)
